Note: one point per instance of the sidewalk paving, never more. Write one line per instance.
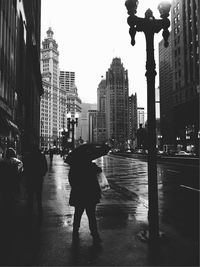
(48, 242)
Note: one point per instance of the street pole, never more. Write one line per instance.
(72, 122)
(149, 25)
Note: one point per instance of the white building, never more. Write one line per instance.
(52, 99)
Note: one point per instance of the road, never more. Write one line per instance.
(178, 189)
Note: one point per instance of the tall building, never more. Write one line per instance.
(133, 119)
(20, 77)
(100, 131)
(101, 95)
(183, 111)
(92, 127)
(74, 108)
(117, 93)
(140, 117)
(8, 72)
(67, 80)
(166, 91)
(53, 101)
(85, 126)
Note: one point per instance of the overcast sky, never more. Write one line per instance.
(90, 33)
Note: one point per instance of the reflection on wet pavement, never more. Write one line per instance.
(129, 179)
(177, 204)
(127, 200)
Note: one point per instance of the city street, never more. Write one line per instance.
(178, 189)
(121, 215)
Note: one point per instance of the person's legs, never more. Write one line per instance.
(77, 217)
(76, 223)
(90, 211)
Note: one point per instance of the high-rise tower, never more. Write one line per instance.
(133, 119)
(179, 101)
(166, 91)
(101, 115)
(53, 99)
(117, 94)
(67, 80)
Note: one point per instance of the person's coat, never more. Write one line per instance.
(85, 189)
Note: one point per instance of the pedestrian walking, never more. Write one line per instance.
(35, 168)
(85, 194)
(10, 168)
(51, 152)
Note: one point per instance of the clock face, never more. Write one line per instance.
(45, 54)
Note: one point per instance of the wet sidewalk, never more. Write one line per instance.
(47, 241)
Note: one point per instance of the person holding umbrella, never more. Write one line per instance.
(85, 190)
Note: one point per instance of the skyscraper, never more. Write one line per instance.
(67, 80)
(180, 106)
(117, 93)
(85, 121)
(100, 131)
(186, 58)
(166, 91)
(133, 118)
(53, 101)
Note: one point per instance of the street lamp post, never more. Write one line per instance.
(73, 122)
(149, 25)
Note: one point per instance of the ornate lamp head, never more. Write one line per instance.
(149, 14)
(131, 6)
(164, 8)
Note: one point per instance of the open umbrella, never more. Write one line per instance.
(87, 152)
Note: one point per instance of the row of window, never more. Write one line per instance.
(176, 8)
(7, 51)
(177, 29)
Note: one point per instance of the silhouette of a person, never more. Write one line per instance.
(10, 167)
(35, 168)
(85, 194)
(51, 152)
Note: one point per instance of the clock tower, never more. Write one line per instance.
(49, 106)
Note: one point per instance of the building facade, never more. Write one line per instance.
(180, 107)
(117, 93)
(100, 131)
(67, 80)
(166, 91)
(74, 108)
(133, 119)
(92, 125)
(53, 100)
(85, 133)
(20, 77)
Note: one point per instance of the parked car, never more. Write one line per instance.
(183, 153)
(139, 151)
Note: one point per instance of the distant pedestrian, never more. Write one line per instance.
(35, 168)
(85, 194)
(51, 152)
